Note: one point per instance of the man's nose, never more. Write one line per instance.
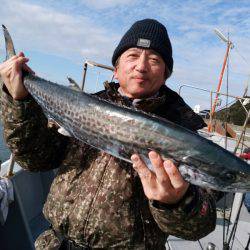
(141, 64)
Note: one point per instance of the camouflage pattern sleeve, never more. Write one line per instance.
(34, 145)
(47, 241)
(192, 218)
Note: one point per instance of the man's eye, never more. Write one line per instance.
(155, 60)
(132, 55)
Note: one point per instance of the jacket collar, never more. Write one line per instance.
(146, 104)
(167, 104)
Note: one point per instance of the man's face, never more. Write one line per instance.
(140, 72)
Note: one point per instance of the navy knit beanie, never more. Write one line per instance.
(147, 33)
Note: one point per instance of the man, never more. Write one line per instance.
(96, 200)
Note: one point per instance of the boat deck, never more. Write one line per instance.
(216, 237)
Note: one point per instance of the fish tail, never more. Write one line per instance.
(9, 46)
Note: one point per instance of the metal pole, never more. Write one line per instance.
(229, 44)
(206, 90)
(103, 66)
(236, 206)
(247, 246)
(211, 103)
(93, 64)
(84, 75)
(242, 132)
(235, 224)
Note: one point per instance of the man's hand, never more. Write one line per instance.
(166, 185)
(11, 72)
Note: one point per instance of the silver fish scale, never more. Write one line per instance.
(108, 127)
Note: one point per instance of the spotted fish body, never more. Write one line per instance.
(122, 131)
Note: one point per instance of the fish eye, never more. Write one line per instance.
(228, 176)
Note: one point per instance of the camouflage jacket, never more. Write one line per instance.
(97, 199)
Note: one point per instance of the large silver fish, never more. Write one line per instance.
(121, 131)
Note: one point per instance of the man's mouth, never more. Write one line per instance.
(140, 79)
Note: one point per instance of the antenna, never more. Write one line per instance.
(223, 37)
(220, 35)
(229, 46)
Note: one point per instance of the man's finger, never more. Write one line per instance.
(20, 61)
(159, 169)
(141, 168)
(175, 177)
(18, 64)
(8, 63)
(6, 71)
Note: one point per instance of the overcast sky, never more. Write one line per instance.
(58, 36)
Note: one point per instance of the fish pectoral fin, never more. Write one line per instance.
(64, 132)
(52, 123)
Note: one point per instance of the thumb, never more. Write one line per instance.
(19, 64)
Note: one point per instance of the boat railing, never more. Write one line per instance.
(242, 100)
(211, 92)
(93, 64)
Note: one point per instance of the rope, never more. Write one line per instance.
(243, 58)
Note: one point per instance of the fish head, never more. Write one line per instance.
(225, 180)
